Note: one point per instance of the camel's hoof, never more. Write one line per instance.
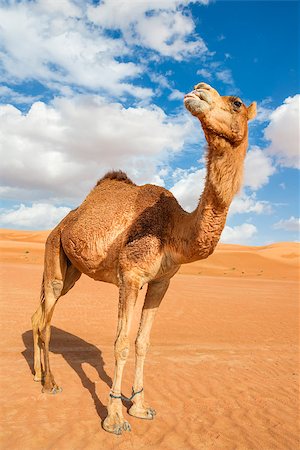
(53, 391)
(126, 426)
(116, 428)
(152, 412)
(142, 413)
(37, 378)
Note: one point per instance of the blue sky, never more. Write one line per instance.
(91, 86)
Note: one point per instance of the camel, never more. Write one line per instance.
(132, 235)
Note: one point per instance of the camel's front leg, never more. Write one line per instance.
(114, 422)
(155, 294)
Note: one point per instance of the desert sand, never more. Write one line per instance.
(222, 371)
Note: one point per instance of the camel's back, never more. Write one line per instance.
(115, 213)
(118, 203)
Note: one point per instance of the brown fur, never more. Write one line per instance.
(118, 175)
(133, 235)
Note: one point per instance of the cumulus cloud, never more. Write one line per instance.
(58, 150)
(69, 43)
(239, 234)
(205, 74)
(176, 95)
(283, 132)
(247, 203)
(263, 111)
(9, 95)
(225, 76)
(54, 42)
(189, 184)
(291, 224)
(188, 188)
(160, 26)
(214, 70)
(39, 216)
(258, 168)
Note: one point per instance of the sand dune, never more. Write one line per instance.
(222, 370)
(23, 236)
(275, 261)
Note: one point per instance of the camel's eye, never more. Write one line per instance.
(237, 103)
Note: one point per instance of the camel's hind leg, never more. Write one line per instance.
(52, 294)
(37, 350)
(58, 278)
(41, 332)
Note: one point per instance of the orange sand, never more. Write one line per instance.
(222, 369)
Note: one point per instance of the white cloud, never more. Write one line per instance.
(217, 70)
(9, 95)
(62, 148)
(239, 234)
(244, 203)
(189, 187)
(160, 79)
(283, 132)
(225, 76)
(36, 217)
(263, 112)
(291, 224)
(205, 73)
(258, 168)
(221, 37)
(54, 42)
(69, 43)
(160, 26)
(176, 95)
(189, 184)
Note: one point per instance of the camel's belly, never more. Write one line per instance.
(106, 275)
(98, 270)
(93, 258)
(104, 260)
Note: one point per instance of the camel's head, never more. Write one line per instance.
(225, 117)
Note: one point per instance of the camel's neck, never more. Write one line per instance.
(223, 180)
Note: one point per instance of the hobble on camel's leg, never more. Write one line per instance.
(114, 422)
(155, 293)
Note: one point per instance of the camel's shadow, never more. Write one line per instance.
(75, 351)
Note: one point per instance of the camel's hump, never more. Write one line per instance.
(117, 175)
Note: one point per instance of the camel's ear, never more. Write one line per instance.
(251, 111)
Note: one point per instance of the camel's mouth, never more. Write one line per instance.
(197, 101)
(190, 95)
(199, 94)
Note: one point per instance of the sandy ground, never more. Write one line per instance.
(222, 369)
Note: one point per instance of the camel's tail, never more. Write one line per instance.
(42, 293)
